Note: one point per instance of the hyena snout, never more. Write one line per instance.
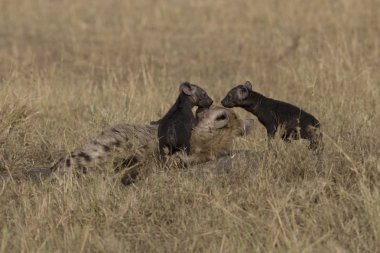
(205, 102)
(226, 102)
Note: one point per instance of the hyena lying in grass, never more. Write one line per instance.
(135, 144)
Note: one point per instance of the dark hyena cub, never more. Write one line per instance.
(274, 114)
(174, 129)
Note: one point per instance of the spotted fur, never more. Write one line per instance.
(119, 141)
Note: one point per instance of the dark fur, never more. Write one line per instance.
(274, 114)
(174, 129)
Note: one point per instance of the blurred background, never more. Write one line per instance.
(289, 50)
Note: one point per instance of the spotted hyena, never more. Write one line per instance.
(135, 144)
(175, 128)
(275, 114)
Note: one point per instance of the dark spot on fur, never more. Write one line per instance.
(86, 157)
(117, 143)
(68, 162)
(115, 130)
(106, 148)
(82, 169)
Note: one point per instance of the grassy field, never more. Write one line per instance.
(70, 68)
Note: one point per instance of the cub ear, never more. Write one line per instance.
(242, 93)
(186, 88)
(248, 85)
(246, 126)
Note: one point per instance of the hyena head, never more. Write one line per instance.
(238, 96)
(216, 129)
(197, 95)
(220, 119)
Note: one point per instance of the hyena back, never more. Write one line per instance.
(119, 141)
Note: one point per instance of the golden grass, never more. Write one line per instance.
(70, 68)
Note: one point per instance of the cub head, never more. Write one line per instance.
(237, 97)
(197, 95)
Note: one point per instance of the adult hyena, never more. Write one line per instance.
(135, 144)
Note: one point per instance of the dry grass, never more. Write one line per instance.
(70, 68)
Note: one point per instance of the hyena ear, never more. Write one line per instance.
(221, 120)
(186, 88)
(242, 92)
(248, 85)
(246, 126)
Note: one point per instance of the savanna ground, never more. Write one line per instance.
(70, 68)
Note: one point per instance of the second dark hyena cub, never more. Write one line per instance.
(274, 114)
(174, 129)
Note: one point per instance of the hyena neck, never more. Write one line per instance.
(184, 101)
(255, 103)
